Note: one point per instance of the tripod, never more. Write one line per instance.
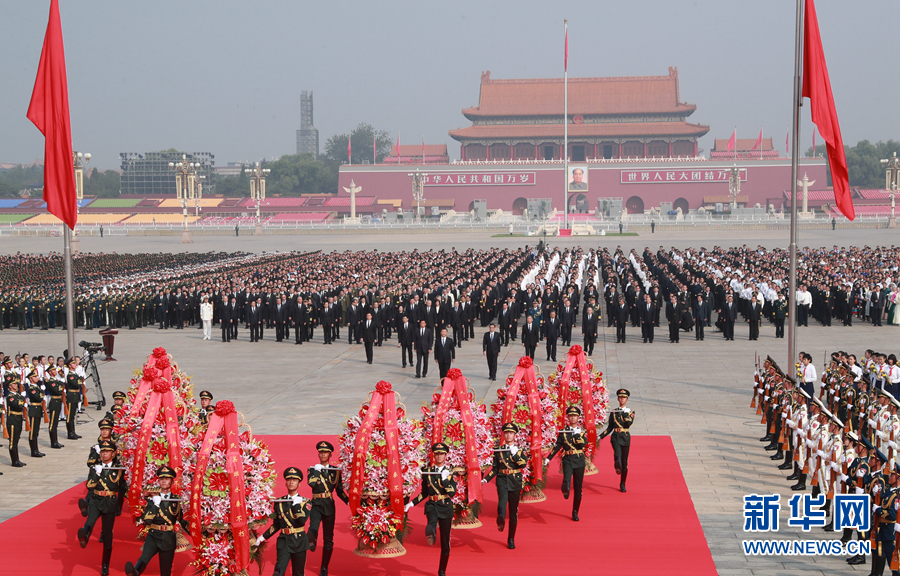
(91, 373)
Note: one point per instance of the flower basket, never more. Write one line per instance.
(532, 495)
(576, 383)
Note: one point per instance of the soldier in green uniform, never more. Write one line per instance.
(507, 467)
(15, 404)
(438, 488)
(324, 479)
(55, 389)
(131, 305)
(162, 514)
(9, 374)
(73, 397)
(106, 482)
(35, 396)
(620, 420)
(779, 311)
(206, 406)
(289, 517)
(21, 312)
(118, 401)
(571, 441)
(106, 428)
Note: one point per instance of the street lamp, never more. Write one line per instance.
(734, 186)
(257, 190)
(891, 176)
(187, 187)
(418, 190)
(79, 160)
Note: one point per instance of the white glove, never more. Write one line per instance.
(859, 491)
(791, 424)
(318, 467)
(546, 461)
(484, 481)
(98, 468)
(576, 430)
(875, 507)
(820, 454)
(157, 500)
(97, 448)
(880, 434)
(260, 539)
(835, 466)
(626, 410)
(408, 507)
(871, 422)
(445, 474)
(844, 478)
(766, 398)
(297, 499)
(896, 505)
(896, 527)
(876, 489)
(43, 387)
(513, 450)
(860, 473)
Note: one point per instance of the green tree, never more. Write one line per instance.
(361, 139)
(296, 174)
(102, 184)
(233, 186)
(863, 161)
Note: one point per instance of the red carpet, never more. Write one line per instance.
(650, 529)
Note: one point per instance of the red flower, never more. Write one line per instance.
(255, 452)
(162, 363)
(218, 481)
(158, 450)
(224, 408)
(150, 372)
(159, 352)
(363, 410)
(575, 350)
(526, 362)
(501, 393)
(401, 413)
(383, 387)
(379, 424)
(245, 436)
(380, 451)
(161, 386)
(522, 416)
(425, 410)
(455, 432)
(454, 374)
(436, 398)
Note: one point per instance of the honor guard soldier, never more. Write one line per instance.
(106, 427)
(571, 441)
(206, 406)
(119, 398)
(55, 389)
(438, 488)
(15, 413)
(35, 396)
(289, 516)
(73, 397)
(620, 421)
(884, 515)
(9, 374)
(508, 464)
(324, 479)
(107, 485)
(162, 516)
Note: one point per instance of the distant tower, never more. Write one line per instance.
(307, 135)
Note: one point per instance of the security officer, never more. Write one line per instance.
(438, 487)
(206, 407)
(571, 442)
(34, 393)
(107, 486)
(507, 467)
(289, 516)
(161, 515)
(73, 397)
(55, 389)
(620, 420)
(324, 479)
(15, 404)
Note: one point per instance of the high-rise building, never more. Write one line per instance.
(148, 173)
(307, 135)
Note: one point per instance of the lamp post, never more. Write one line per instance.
(79, 161)
(418, 190)
(257, 191)
(734, 186)
(187, 187)
(891, 176)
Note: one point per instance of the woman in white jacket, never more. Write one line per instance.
(206, 315)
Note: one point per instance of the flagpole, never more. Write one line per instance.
(795, 160)
(70, 299)
(566, 132)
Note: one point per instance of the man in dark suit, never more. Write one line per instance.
(551, 334)
(647, 313)
(505, 319)
(491, 348)
(422, 342)
(701, 311)
(354, 317)
(589, 330)
(179, 310)
(728, 315)
(621, 314)
(281, 314)
(369, 335)
(878, 299)
(254, 321)
(456, 322)
(162, 310)
(566, 322)
(405, 340)
(754, 316)
(530, 336)
(673, 317)
(326, 317)
(227, 321)
(444, 352)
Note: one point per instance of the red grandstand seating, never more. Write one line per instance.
(345, 201)
(307, 217)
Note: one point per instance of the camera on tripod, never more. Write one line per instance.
(92, 347)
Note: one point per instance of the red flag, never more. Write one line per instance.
(348, 149)
(758, 145)
(787, 144)
(566, 58)
(814, 144)
(732, 140)
(374, 150)
(423, 147)
(817, 87)
(49, 112)
(398, 144)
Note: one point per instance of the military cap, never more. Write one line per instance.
(804, 393)
(8, 360)
(105, 423)
(790, 379)
(51, 367)
(818, 402)
(573, 411)
(885, 393)
(439, 448)
(165, 472)
(31, 373)
(510, 427)
(293, 473)
(119, 395)
(206, 395)
(896, 469)
(852, 436)
(70, 361)
(324, 446)
(878, 454)
(835, 420)
(622, 392)
(107, 445)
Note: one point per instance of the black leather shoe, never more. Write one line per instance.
(501, 523)
(18, 464)
(429, 537)
(82, 537)
(793, 476)
(83, 506)
(786, 466)
(621, 487)
(772, 446)
(511, 544)
(829, 527)
(129, 569)
(777, 456)
(57, 446)
(575, 515)
(799, 486)
(856, 560)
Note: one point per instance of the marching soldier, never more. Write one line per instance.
(162, 516)
(206, 407)
(94, 458)
(324, 479)
(15, 405)
(34, 393)
(620, 420)
(438, 487)
(289, 517)
(571, 442)
(55, 389)
(508, 464)
(73, 397)
(106, 482)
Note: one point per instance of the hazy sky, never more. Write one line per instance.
(225, 76)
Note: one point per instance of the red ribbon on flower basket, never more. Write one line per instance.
(576, 355)
(224, 420)
(162, 401)
(455, 383)
(382, 400)
(157, 366)
(524, 374)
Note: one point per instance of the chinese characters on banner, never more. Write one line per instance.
(481, 179)
(668, 176)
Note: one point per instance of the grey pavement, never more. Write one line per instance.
(696, 392)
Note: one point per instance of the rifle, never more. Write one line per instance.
(3, 423)
(755, 381)
(84, 400)
(830, 493)
(874, 534)
(786, 437)
(44, 408)
(844, 473)
(815, 474)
